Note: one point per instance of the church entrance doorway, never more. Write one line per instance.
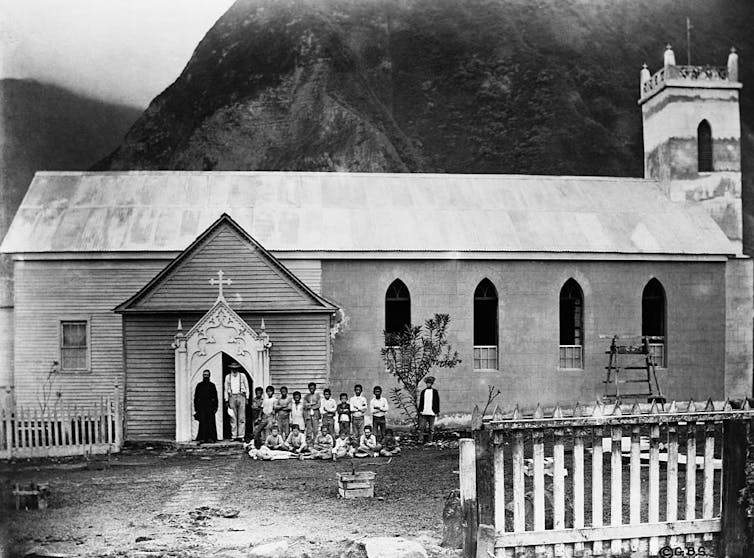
(225, 433)
(220, 338)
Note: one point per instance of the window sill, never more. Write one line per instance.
(76, 371)
(486, 370)
(571, 369)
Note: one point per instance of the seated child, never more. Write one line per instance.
(368, 445)
(389, 444)
(342, 445)
(273, 448)
(322, 446)
(296, 441)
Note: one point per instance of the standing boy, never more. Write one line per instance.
(429, 408)
(327, 410)
(378, 407)
(267, 420)
(312, 402)
(256, 413)
(297, 411)
(282, 407)
(344, 414)
(358, 408)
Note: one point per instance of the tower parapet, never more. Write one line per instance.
(672, 75)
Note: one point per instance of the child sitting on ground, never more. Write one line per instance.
(296, 441)
(273, 448)
(342, 445)
(322, 447)
(368, 445)
(389, 444)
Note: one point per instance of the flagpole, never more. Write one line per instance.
(688, 41)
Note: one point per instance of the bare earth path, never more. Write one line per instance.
(153, 496)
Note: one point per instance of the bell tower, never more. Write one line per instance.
(692, 137)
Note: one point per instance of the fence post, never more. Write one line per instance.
(467, 477)
(118, 420)
(734, 536)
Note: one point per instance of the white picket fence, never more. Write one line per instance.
(62, 430)
(573, 502)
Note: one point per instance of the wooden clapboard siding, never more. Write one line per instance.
(299, 355)
(48, 291)
(150, 374)
(259, 283)
(308, 271)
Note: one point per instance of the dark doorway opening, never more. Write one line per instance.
(226, 433)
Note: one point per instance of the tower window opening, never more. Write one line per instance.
(704, 146)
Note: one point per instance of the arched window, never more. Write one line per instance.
(704, 146)
(397, 307)
(653, 319)
(485, 326)
(571, 325)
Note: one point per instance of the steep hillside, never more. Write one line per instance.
(547, 86)
(46, 127)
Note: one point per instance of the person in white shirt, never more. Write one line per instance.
(343, 446)
(327, 408)
(378, 406)
(358, 407)
(236, 394)
(368, 445)
(429, 408)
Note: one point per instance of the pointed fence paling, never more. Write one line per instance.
(62, 430)
(555, 493)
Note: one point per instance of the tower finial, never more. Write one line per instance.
(669, 58)
(644, 77)
(733, 65)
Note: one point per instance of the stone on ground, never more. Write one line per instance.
(393, 547)
(277, 549)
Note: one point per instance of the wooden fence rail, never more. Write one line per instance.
(543, 485)
(61, 431)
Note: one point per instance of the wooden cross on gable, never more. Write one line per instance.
(220, 282)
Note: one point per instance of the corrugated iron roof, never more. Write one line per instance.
(334, 212)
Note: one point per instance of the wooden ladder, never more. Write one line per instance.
(633, 366)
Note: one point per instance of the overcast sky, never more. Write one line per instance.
(119, 50)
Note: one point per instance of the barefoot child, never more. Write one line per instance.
(344, 414)
(368, 445)
(378, 407)
(389, 444)
(296, 441)
(358, 408)
(297, 411)
(342, 446)
(274, 447)
(323, 444)
(327, 410)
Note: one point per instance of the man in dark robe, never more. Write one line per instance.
(205, 407)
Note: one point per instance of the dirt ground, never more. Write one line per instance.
(156, 497)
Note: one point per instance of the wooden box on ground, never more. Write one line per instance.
(32, 497)
(359, 484)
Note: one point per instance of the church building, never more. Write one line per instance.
(135, 282)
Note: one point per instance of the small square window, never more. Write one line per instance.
(571, 356)
(74, 345)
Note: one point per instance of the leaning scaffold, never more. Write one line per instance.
(632, 369)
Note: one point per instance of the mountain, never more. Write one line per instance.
(45, 127)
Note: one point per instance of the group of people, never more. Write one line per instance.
(309, 426)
